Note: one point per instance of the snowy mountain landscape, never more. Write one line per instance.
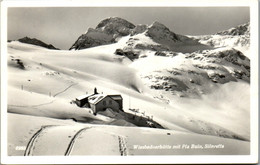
(182, 95)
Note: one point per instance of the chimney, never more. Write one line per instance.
(95, 91)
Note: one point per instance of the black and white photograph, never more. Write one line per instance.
(129, 81)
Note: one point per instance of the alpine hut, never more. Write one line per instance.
(100, 102)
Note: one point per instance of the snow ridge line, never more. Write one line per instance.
(71, 144)
(122, 146)
(31, 144)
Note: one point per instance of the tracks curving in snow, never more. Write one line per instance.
(122, 146)
(31, 144)
(50, 102)
(64, 89)
(71, 144)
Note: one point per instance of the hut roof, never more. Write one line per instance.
(83, 96)
(96, 98)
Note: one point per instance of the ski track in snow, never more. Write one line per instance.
(122, 146)
(30, 146)
(38, 105)
(64, 89)
(71, 144)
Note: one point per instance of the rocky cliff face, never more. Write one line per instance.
(37, 42)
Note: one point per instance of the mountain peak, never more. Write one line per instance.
(158, 32)
(157, 24)
(115, 21)
(105, 32)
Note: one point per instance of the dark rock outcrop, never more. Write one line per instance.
(37, 42)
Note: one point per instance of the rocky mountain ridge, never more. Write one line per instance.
(243, 29)
(36, 42)
(237, 37)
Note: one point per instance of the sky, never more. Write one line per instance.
(61, 26)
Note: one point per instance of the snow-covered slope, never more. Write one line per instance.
(191, 75)
(48, 137)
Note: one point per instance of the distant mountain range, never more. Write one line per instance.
(112, 29)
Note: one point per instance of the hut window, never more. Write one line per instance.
(110, 102)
